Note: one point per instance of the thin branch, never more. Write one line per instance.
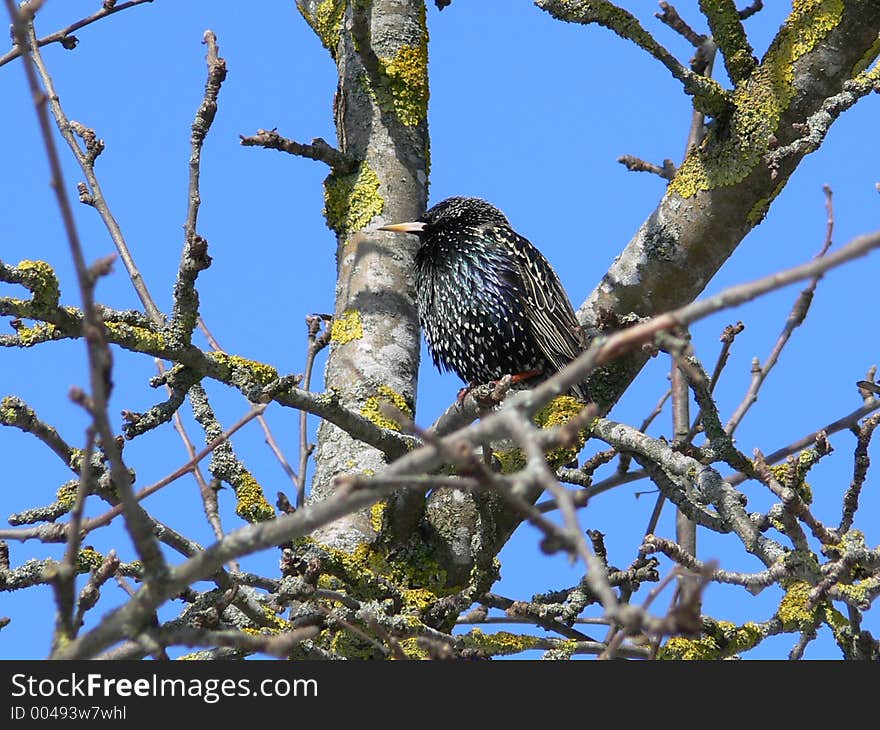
(523, 612)
(521, 430)
(316, 343)
(749, 11)
(18, 414)
(708, 95)
(318, 149)
(207, 492)
(194, 258)
(65, 37)
(754, 582)
(65, 585)
(264, 424)
(99, 356)
(861, 462)
(685, 528)
(86, 162)
(795, 319)
(848, 422)
(635, 164)
(670, 17)
(730, 36)
(817, 125)
(104, 519)
(91, 592)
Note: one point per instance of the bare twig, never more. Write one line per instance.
(749, 11)
(90, 593)
(317, 341)
(104, 519)
(66, 625)
(814, 131)
(861, 461)
(65, 37)
(848, 422)
(96, 197)
(207, 492)
(685, 528)
(670, 17)
(634, 164)
(99, 356)
(795, 319)
(708, 95)
(318, 149)
(264, 424)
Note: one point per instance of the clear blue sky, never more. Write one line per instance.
(525, 111)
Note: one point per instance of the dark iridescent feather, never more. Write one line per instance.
(489, 302)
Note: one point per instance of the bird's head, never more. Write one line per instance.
(455, 213)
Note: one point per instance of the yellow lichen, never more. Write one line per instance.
(414, 649)
(88, 558)
(679, 647)
(135, 338)
(758, 105)
(402, 84)
(75, 459)
(721, 639)
(66, 494)
(759, 210)
(838, 623)
(793, 611)
(558, 412)
(728, 33)
(377, 516)
(251, 504)
(500, 643)
(869, 58)
(404, 89)
(805, 461)
(347, 327)
(9, 408)
(41, 332)
(254, 370)
(510, 460)
(326, 21)
(372, 409)
(859, 591)
(279, 624)
(41, 281)
(351, 201)
(368, 574)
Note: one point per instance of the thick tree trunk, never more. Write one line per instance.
(380, 49)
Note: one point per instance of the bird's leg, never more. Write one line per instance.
(509, 380)
(497, 393)
(527, 375)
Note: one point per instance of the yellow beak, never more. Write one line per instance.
(409, 227)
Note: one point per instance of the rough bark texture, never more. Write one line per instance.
(380, 49)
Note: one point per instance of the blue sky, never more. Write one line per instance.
(525, 111)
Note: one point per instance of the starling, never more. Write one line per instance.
(489, 302)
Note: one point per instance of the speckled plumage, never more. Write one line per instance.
(489, 302)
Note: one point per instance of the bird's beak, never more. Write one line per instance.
(410, 227)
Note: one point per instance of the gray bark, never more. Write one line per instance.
(373, 269)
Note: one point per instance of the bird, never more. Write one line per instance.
(489, 302)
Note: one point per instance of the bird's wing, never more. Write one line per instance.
(555, 327)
